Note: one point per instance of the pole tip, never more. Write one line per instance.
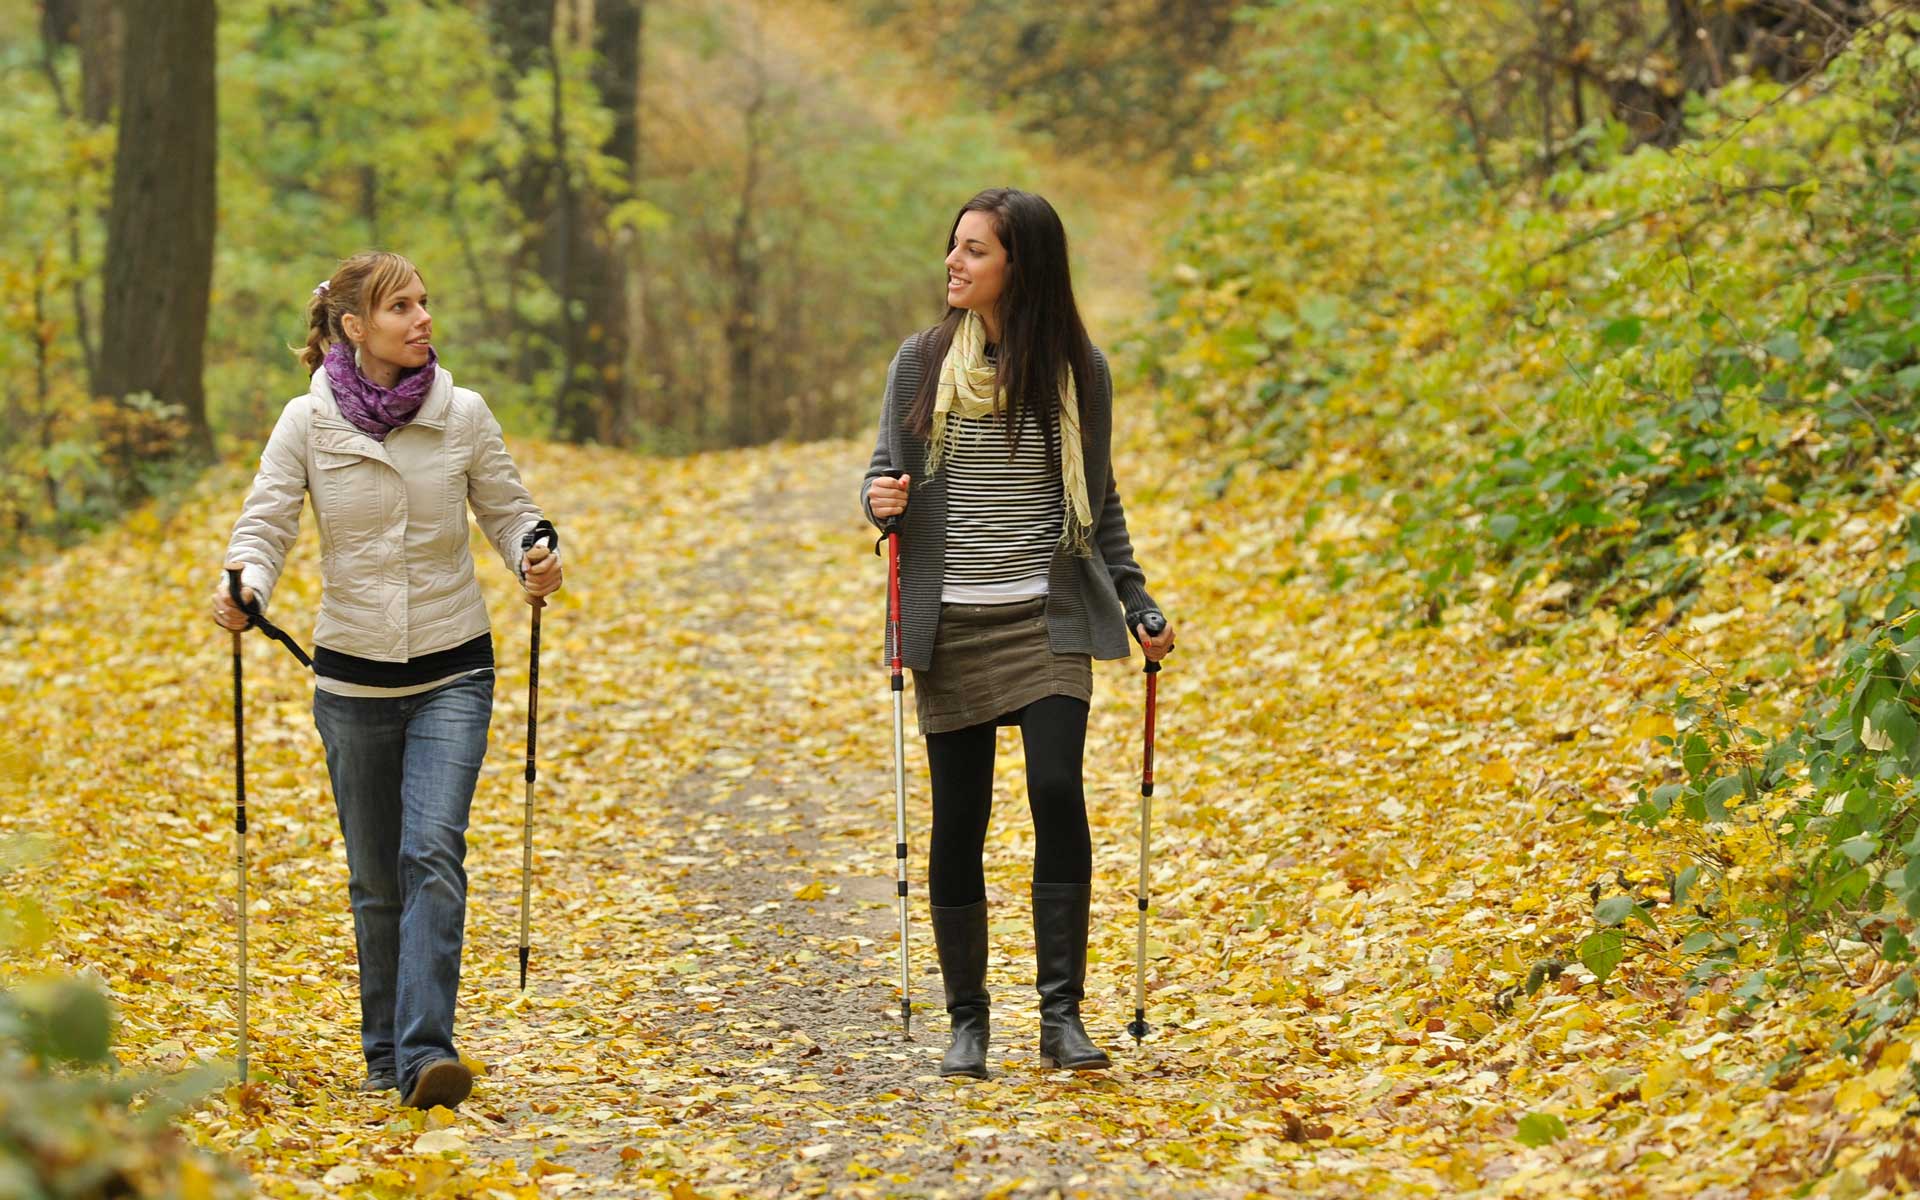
(523, 968)
(906, 1017)
(1139, 1029)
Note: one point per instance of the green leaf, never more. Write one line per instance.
(1894, 948)
(1540, 1129)
(1623, 332)
(1695, 754)
(1603, 951)
(1717, 794)
(1683, 884)
(1614, 910)
(1861, 848)
(1320, 312)
(65, 1020)
(1892, 718)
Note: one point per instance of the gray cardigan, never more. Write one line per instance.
(1092, 603)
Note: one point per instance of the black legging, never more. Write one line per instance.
(1054, 732)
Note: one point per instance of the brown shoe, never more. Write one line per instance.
(444, 1082)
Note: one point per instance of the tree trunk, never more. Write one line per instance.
(93, 28)
(523, 31)
(1543, 70)
(159, 266)
(573, 251)
(606, 254)
(643, 404)
(1573, 55)
(573, 409)
(99, 59)
(742, 328)
(61, 25)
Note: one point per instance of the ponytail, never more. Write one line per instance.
(320, 333)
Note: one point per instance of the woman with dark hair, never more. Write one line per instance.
(1015, 570)
(392, 456)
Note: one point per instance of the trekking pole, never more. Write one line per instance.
(526, 830)
(1138, 1027)
(240, 811)
(892, 538)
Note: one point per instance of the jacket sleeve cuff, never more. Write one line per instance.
(255, 576)
(1137, 603)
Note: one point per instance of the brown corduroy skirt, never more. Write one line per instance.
(991, 660)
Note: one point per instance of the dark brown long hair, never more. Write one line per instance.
(1041, 334)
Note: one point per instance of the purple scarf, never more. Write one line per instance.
(374, 410)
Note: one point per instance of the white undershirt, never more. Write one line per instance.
(367, 691)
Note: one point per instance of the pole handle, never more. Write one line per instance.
(256, 619)
(233, 592)
(889, 526)
(547, 542)
(1155, 625)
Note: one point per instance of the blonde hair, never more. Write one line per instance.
(359, 285)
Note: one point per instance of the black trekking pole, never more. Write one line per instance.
(526, 831)
(240, 810)
(256, 619)
(1154, 623)
(892, 538)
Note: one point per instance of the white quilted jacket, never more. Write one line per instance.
(397, 577)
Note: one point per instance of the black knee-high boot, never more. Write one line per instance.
(961, 935)
(1060, 950)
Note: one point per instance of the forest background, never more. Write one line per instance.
(1548, 327)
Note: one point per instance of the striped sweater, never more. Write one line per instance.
(1003, 509)
(1092, 602)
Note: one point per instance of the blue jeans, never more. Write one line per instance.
(403, 773)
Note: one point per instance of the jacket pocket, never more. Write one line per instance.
(347, 490)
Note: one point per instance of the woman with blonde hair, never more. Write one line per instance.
(393, 455)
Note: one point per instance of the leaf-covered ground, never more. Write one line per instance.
(1362, 837)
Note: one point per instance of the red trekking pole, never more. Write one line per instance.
(892, 538)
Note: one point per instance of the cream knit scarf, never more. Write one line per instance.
(969, 384)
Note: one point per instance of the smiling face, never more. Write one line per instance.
(397, 335)
(976, 266)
